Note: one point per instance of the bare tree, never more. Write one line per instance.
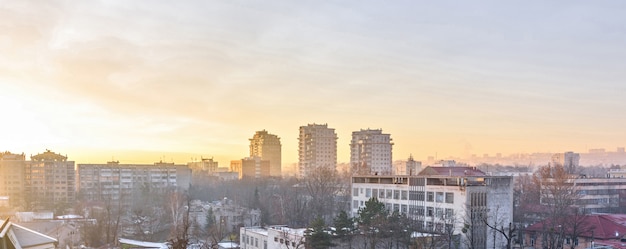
(576, 226)
(558, 194)
(179, 207)
(105, 229)
(498, 225)
(323, 184)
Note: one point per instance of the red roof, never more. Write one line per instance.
(451, 171)
(598, 226)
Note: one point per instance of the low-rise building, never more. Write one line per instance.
(582, 231)
(227, 215)
(440, 198)
(274, 237)
(16, 236)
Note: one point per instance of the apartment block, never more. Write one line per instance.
(317, 147)
(50, 180)
(12, 178)
(371, 152)
(267, 146)
(204, 167)
(114, 181)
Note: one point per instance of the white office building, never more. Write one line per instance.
(442, 199)
(272, 237)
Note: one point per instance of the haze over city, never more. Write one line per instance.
(149, 81)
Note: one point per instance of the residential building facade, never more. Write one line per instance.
(12, 177)
(412, 167)
(317, 147)
(442, 199)
(114, 181)
(371, 152)
(205, 167)
(50, 180)
(251, 167)
(267, 146)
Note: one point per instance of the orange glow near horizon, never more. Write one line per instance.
(140, 83)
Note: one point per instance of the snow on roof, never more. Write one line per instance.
(143, 244)
(228, 245)
(69, 216)
(27, 237)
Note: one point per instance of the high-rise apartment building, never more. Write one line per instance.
(317, 148)
(12, 177)
(267, 146)
(50, 180)
(569, 160)
(370, 152)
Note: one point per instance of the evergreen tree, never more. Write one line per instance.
(373, 219)
(345, 227)
(317, 237)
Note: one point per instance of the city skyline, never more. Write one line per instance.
(141, 82)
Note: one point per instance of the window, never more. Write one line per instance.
(449, 214)
(256, 242)
(355, 204)
(375, 192)
(355, 192)
(396, 208)
(396, 194)
(413, 210)
(439, 197)
(449, 197)
(430, 196)
(368, 192)
(403, 208)
(439, 213)
(389, 194)
(429, 211)
(275, 239)
(381, 194)
(404, 195)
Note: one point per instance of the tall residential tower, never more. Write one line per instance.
(317, 148)
(370, 152)
(267, 147)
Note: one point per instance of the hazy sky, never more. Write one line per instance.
(139, 81)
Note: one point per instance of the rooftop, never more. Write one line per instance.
(451, 171)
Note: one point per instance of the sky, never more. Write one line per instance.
(143, 81)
